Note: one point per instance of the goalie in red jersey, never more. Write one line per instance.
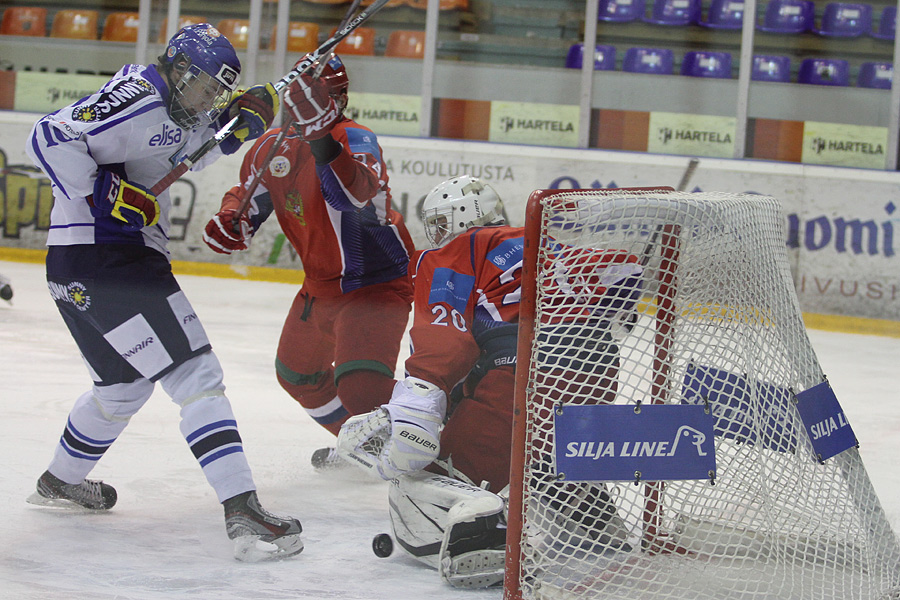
(444, 438)
(327, 184)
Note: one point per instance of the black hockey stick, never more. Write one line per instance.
(257, 176)
(182, 167)
(682, 185)
(301, 67)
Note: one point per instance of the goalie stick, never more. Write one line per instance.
(257, 176)
(301, 67)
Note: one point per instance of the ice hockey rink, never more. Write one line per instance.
(166, 539)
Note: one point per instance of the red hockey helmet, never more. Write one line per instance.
(334, 74)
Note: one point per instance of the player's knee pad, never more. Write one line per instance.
(198, 377)
(434, 516)
(120, 401)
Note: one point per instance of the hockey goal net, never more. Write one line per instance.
(663, 443)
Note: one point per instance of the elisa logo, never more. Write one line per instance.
(168, 137)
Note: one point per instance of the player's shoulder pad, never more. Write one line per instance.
(119, 95)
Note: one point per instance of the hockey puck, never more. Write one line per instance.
(382, 545)
(6, 292)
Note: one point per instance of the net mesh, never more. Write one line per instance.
(668, 297)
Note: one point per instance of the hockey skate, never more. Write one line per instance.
(91, 495)
(327, 459)
(258, 534)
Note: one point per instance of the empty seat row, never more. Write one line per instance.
(661, 61)
(839, 19)
(303, 37)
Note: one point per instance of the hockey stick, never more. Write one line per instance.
(682, 185)
(301, 67)
(257, 176)
(182, 167)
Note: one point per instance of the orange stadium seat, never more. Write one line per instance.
(302, 37)
(444, 5)
(183, 21)
(405, 44)
(236, 30)
(390, 4)
(328, 1)
(121, 27)
(24, 20)
(361, 41)
(75, 23)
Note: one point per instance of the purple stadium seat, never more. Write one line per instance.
(875, 75)
(771, 68)
(674, 12)
(843, 19)
(725, 14)
(705, 63)
(655, 61)
(824, 71)
(604, 57)
(621, 11)
(788, 16)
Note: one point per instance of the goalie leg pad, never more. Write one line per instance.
(473, 550)
(424, 507)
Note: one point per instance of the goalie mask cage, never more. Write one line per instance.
(716, 298)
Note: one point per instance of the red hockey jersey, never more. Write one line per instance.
(337, 216)
(469, 285)
(473, 284)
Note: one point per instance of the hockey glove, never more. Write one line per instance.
(256, 108)
(130, 203)
(399, 437)
(312, 107)
(224, 235)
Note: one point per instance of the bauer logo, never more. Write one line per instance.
(622, 443)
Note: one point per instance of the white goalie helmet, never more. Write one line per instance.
(457, 205)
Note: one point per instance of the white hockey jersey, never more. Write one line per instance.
(124, 127)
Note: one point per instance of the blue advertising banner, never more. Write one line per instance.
(822, 415)
(750, 412)
(615, 443)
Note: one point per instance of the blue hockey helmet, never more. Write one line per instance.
(205, 71)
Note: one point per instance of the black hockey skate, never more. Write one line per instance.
(258, 534)
(90, 495)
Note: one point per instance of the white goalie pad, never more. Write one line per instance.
(451, 526)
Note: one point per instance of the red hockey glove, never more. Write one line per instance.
(256, 108)
(225, 236)
(312, 107)
(130, 203)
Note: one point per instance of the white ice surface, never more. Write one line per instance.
(165, 538)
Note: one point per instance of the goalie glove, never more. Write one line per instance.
(130, 203)
(312, 107)
(399, 437)
(225, 235)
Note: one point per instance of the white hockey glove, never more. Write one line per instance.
(399, 437)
